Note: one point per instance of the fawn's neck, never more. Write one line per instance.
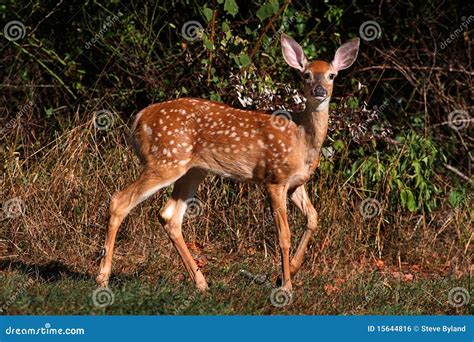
(314, 121)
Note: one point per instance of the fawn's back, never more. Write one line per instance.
(242, 144)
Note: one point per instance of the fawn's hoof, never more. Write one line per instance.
(202, 287)
(102, 280)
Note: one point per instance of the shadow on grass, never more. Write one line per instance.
(56, 271)
(52, 271)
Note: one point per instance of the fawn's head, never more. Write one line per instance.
(319, 75)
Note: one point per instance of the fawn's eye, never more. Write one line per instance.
(307, 76)
(331, 76)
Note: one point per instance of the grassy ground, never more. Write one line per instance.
(393, 263)
(57, 290)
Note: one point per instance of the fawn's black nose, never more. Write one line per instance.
(319, 92)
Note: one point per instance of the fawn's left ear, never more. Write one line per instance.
(346, 54)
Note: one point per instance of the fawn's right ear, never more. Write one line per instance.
(293, 53)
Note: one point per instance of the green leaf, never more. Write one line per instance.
(230, 6)
(49, 112)
(455, 198)
(353, 102)
(207, 43)
(207, 13)
(338, 145)
(411, 204)
(216, 97)
(403, 198)
(275, 5)
(265, 11)
(225, 27)
(244, 59)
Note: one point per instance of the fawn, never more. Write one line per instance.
(180, 141)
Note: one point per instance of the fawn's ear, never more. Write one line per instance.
(346, 54)
(293, 53)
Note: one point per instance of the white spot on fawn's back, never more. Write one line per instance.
(147, 129)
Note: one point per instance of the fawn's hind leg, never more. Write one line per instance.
(149, 182)
(173, 213)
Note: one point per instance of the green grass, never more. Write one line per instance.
(53, 291)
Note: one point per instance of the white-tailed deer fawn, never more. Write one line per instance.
(180, 141)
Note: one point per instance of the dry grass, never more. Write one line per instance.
(66, 183)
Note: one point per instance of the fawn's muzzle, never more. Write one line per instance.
(319, 92)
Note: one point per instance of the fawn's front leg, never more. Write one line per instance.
(302, 201)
